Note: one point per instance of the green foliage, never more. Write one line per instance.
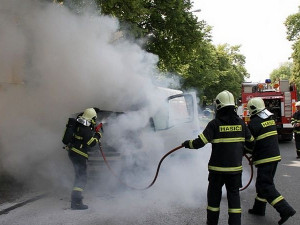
(292, 24)
(170, 30)
(132, 15)
(224, 70)
(284, 72)
(296, 63)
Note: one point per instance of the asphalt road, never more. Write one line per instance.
(160, 206)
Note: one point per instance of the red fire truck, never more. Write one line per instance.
(280, 99)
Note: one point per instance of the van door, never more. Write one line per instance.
(178, 121)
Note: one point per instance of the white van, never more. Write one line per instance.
(175, 121)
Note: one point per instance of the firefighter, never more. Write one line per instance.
(84, 137)
(265, 157)
(296, 123)
(227, 133)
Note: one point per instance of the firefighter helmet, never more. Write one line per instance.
(224, 98)
(89, 114)
(297, 103)
(255, 105)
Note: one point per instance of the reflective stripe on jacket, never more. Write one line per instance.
(228, 142)
(266, 147)
(84, 138)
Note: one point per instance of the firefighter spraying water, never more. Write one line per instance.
(80, 134)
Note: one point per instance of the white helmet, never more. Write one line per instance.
(224, 98)
(255, 105)
(89, 114)
(297, 103)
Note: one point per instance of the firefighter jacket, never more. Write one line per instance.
(227, 145)
(266, 148)
(84, 138)
(296, 119)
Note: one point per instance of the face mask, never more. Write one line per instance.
(83, 121)
(265, 114)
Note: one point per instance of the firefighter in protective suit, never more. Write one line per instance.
(296, 123)
(85, 137)
(265, 157)
(228, 135)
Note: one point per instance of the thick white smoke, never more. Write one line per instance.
(55, 63)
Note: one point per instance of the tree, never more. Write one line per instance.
(168, 27)
(170, 30)
(284, 72)
(292, 24)
(225, 71)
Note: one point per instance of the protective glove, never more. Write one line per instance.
(247, 151)
(98, 135)
(186, 144)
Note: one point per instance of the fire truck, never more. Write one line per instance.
(280, 99)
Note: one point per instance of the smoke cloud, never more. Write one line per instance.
(55, 63)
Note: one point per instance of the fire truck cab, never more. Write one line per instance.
(280, 99)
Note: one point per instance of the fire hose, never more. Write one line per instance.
(158, 167)
(251, 173)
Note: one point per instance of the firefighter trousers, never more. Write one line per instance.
(214, 194)
(266, 189)
(297, 142)
(80, 167)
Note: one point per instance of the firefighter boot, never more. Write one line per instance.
(285, 210)
(76, 201)
(259, 208)
(212, 217)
